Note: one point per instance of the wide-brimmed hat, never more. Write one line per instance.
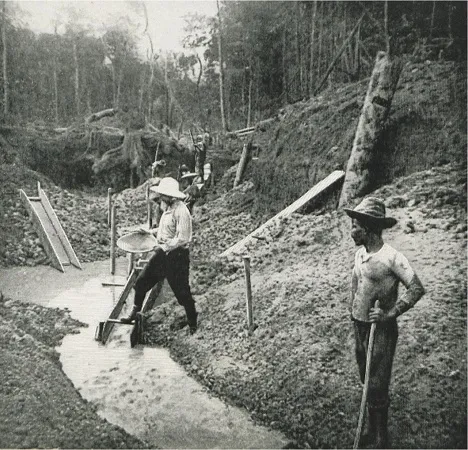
(371, 210)
(137, 242)
(189, 175)
(168, 186)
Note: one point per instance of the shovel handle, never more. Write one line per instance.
(365, 389)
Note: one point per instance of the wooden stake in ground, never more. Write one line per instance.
(374, 113)
(149, 210)
(109, 206)
(250, 319)
(242, 164)
(112, 240)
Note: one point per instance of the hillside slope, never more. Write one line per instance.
(297, 371)
(306, 141)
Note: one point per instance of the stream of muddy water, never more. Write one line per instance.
(141, 389)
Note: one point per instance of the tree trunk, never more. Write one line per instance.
(343, 47)
(166, 82)
(322, 18)
(249, 105)
(200, 73)
(449, 21)
(374, 113)
(119, 88)
(55, 77)
(56, 109)
(312, 43)
(221, 74)
(114, 85)
(432, 19)
(77, 77)
(141, 93)
(387, 36)
(357, 55)
(285, 74)
(6, 85)
(298, 51)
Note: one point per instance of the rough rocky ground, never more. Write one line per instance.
(296, 372)
(40, 406)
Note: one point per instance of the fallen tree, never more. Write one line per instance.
(107, 147)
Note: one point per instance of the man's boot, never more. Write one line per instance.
(132, 316)
(192, 321)
(368, 437)
(381, 435)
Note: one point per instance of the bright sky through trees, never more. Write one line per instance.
(165, 18)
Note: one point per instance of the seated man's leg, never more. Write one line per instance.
(177, 273)
(153, 272)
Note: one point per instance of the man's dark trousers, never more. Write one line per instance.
(385, 339)
(173, 266)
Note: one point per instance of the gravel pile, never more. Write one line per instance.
(296, 371)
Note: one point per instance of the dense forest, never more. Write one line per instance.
(237, 68)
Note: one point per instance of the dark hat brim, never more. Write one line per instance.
(384, 222)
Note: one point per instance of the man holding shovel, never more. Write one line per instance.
(377, 273)
(171, 259)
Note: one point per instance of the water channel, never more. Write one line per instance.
(141, 389)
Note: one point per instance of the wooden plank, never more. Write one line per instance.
(71, 256)
(245, 130)
(108, 326)
(152, 297)
(319, 188)
(39, 218)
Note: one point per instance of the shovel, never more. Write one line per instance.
(365, 389)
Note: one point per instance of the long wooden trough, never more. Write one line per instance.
(50, 231)
(318, 189)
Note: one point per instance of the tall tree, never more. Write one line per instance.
(6, 80)
(221, 72)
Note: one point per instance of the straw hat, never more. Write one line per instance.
(168, 186)
(371, 210)
(137, 242)
(189, 175)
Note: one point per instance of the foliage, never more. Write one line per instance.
(275, 52)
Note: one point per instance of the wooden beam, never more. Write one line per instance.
(38, 218)
(60, 231)
(318, 189)
(108, 326)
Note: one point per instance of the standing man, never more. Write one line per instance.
(190, 189)
(200, 155)
(171, 258)
(378, 271)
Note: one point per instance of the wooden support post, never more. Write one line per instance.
(112, 240)
(250, 319)
(149, 210)
(242, 164)
(109, 206)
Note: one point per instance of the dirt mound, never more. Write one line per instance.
(297, 371)
(308, 140)
(40, 406)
